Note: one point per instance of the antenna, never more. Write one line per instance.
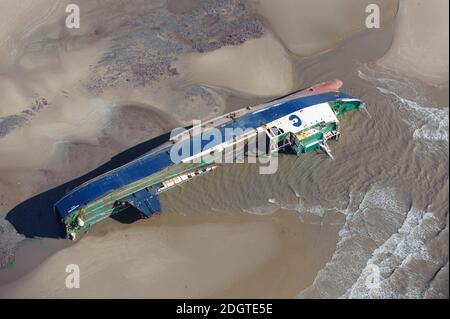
(363, 107)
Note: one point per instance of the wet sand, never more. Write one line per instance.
(418, 51)
(216, 255)
(312, 230)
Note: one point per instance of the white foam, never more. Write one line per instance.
(267, 209)
(395, 255)
(357, 240)
(427, 123)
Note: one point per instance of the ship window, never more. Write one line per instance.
(277, 130)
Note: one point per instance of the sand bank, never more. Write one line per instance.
(258, 67)
(220, 255)
(18, 23)
(420, 46)
(309, 27)
(19, 20)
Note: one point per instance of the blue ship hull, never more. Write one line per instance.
(139, 182)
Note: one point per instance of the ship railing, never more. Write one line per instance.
(278, 139)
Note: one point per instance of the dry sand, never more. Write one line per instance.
(420, 46)
(19, 20)
(257, 67)
(210, 243)
(20, 23)
(310, 27)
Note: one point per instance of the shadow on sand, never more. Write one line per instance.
(35, 216)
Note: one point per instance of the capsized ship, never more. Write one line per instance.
(303, 120)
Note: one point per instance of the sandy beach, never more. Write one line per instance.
(76, 103)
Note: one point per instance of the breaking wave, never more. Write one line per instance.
(370, 219)
(399, 257)
(427, 123)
